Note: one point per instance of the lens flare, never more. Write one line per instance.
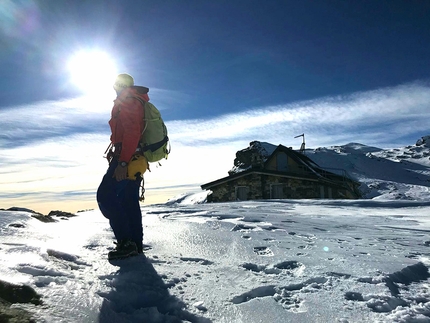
(19, 19)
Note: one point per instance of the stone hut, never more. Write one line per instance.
(280, 173)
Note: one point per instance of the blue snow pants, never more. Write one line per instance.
(119, 203)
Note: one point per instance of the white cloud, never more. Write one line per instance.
(61, 160)
(325, 120)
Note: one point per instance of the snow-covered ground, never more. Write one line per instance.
(255, 261)
(261, 261)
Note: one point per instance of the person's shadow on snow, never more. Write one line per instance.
(138, 294)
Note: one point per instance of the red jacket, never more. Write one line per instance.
(126, 121)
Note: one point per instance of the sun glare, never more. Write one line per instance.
(92, 71)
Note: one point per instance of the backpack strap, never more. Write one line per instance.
(144, 106)
(143, 102)
(157, 145)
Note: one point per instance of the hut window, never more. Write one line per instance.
(281, 162)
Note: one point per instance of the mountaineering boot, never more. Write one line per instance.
(124, 249)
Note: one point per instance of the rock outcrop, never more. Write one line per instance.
(424, 141)
(40, 216)
(253, 156)
(11, 294)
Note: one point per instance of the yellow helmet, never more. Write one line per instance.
(122, 81)
(137, 167)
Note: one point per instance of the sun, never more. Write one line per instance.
(92, 71)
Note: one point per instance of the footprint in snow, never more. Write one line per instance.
(397, 284)
(287, 296)
(66, 257)
(146, 247)
(284, 267)
(197, 260)
(243, 228)
(263, 251)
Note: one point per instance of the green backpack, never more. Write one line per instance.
(154, 142)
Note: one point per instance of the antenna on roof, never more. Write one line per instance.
(302, 147)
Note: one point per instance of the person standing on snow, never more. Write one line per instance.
(118, 193)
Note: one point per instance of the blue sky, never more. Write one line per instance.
(223, 73)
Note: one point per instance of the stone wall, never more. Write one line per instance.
(260, 188)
